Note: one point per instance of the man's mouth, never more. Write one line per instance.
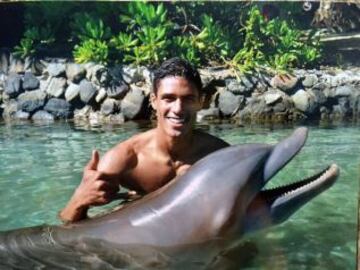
(177, 120)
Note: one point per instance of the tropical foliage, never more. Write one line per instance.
(237, 35)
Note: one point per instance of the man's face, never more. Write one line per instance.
(176, 103)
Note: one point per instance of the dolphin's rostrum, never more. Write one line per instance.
(184, 224)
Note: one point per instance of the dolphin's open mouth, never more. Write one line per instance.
(325, 178)
(275, 205)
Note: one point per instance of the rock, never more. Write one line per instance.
(110, 106)
(31, 101)
(132, 75)
(72, 92)
(21, 115)
(10, 108)
(3, 78)
(132, 104)
(60, 108)
(13, 85)
(147, 75)
(284, 82)
(248, 81)
(255, 108)
(56, 87)
(35, 66)
(83, 113)
(30, 82)
(319, 97)
(215, 74)
(207, 114)
(95, 118)
(40, 116)
(344, 104)
(75, 72)
(4, 60)
(301, 100)
(355, 105)
(279, 107)
(117, 90)
(101, 95)
(16, 65)
(98, 74)
(117, 118)
(236, 87)
(272, 96)
(44, 83)
(320, 86)
(229, 103)
(310, 80)
(87, 91)
(56, 69)
(345, 90)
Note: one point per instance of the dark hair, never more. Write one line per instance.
(177, 67)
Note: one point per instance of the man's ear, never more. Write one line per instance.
(152, 100)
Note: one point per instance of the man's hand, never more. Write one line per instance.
(95, 188)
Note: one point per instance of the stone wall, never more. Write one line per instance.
(57, 89)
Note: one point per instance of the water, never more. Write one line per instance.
(42, 165)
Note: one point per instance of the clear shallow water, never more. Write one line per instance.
(42, 165)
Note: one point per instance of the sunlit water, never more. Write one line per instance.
(41, 165)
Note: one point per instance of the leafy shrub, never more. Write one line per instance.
(152, 30)
(91, 50)
(34, 41)
(189, 47)
(86, 27)
(216, 40)
(93, 36)
(147, 33)
(274, 44)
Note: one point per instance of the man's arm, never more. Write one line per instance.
(100, 182)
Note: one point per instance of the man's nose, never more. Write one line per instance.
(178, 106)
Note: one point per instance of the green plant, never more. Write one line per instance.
(34, 41)
(151, 28)
(138, 14)
(86, 27)
(25, 48)
(91, 50)
(274, 44)
(183, 46)
(123, 44)
(216, 40)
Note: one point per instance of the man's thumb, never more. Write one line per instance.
(92, 164)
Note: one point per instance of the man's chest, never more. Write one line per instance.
(152, 173)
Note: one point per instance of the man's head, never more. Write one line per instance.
(176, 96)
(179, 68)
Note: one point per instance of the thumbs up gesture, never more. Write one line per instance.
(96, 188)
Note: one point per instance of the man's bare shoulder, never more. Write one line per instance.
(123, 156)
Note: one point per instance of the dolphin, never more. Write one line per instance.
(186, 223)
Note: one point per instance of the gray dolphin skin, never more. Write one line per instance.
(186, 223)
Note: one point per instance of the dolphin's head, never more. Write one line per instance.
(229, 188)
(275, 205)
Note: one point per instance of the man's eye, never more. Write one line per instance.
(190, 98)
(168, 99)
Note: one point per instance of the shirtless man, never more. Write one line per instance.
(149, 160)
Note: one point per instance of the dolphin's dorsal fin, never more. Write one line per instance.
(284, 151)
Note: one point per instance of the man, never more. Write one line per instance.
(149, 160)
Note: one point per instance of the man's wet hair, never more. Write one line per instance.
(177, 67)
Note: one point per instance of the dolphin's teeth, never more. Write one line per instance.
(326, 174)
